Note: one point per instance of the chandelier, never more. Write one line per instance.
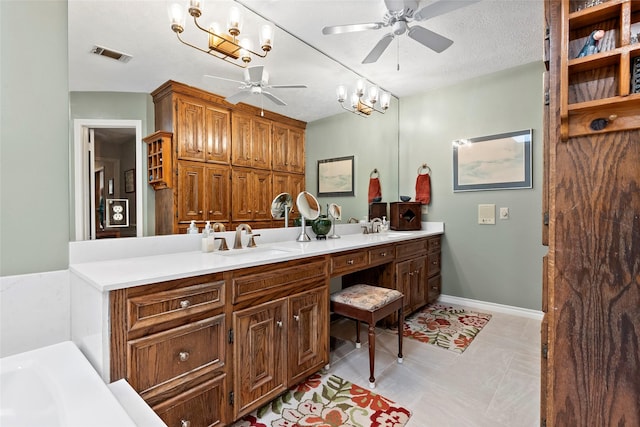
(362, 101)
(223, 45)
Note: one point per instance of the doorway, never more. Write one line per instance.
(108, 197)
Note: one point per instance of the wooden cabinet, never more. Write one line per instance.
(251, 141)
(412, 282)
(168, 340)
(288, 149)
(279, 342)
(434, 257)
(203, 193)
(210, 137)
(202, 131)
(591, 291)
(252, 195)
(159, 160)
(599, 85)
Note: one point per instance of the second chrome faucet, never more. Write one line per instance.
(237, 243)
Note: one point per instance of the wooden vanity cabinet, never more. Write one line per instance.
(288, 149)
(250, 141)
(434, 257)
(202, 131)
(168, 340)
(280, 329)
(251, 195)
(203, 193)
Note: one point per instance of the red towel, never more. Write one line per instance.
(423, 189)
(374, 189)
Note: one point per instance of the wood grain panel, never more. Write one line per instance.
(596, 344)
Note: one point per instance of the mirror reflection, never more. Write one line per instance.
(309, 209)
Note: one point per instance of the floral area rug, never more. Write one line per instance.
(327, 401)
(453, 328)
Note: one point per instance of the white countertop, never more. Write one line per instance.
(132, 271)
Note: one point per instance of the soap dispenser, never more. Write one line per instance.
(385, 225)
(192, 228)
(207, 238)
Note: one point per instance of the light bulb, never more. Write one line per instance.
(245, 45)
(195, 8)
(373, 94)
(385, 100)
(341, 93)
(355, 99)
(234, 25)
(360, 85)
(266, 37)
(177, 17)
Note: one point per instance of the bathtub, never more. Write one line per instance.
(56, 386)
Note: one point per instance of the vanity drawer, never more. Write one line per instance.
(411, 249)
(345, 263)
(381, 255)
(433, 264)
(154, 308)
(434, 287)
(202, 405)
(189, 350)
(434, 244)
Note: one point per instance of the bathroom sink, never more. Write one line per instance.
(56, 386)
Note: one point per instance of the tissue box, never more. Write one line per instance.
(405, 216)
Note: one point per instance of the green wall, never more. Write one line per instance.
(34, 137)
(500, 263)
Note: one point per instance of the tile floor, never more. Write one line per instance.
(495, 382)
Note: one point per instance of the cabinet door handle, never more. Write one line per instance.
(279, 323)
(183, 356)
(210, 212)
(383, 254)
(435, 263)
(350, 262)
(200, 212)
(185, 423)
(296, 317)
(185, 303)
(435, 288)
(411, 273)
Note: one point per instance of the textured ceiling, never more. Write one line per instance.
(489, 36)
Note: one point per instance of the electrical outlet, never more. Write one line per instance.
(424, 209)
(504, 213)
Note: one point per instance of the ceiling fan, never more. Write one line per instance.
(398, 16)
(256, 80)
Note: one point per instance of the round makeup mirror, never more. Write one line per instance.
(309, 208)
(281, 207)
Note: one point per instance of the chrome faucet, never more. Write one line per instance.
(237, 243)
(376, 223)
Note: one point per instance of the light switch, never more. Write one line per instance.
(486, 214)
(504, 213)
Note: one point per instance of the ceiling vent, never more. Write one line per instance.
(118, 56)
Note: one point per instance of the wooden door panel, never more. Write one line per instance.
(216, 128)
(241, 195)
(261, 195)
(258, 344)
(295, 151)
(308, 333)
(190, 189)
(190, 130)
(218, 183)
(241, 140)
(403, 280)
(279, 152)
(261, 144)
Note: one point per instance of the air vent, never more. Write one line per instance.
(118, 56)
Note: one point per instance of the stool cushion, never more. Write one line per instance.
(366, 297)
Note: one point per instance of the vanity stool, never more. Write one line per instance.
(369, 304)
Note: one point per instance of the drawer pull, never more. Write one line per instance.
(296, 317)
(435, 263)
(183, 356)
(185, 423)
(185, 303)
(350, 262)
(279, 323)
(383, 254)
(435, 288)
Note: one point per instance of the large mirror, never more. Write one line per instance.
(104, 90)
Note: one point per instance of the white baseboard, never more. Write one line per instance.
(492, 306)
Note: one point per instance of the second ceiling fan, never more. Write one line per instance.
(398, 16)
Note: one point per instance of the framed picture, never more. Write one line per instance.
(335, 177)
(129, 181)
(496, 162)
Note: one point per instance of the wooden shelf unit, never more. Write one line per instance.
(598, 86)
(159, 159)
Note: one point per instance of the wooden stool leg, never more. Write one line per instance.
(372, 354)
(400, 333)
(358, 344)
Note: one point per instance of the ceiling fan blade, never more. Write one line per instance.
(440, 8)
(222, 78)
(273, 98)
(433, 41)
(237, 97)
(288, 86)
(378, 49)
(351, 28)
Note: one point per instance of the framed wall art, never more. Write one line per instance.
(496, 162)
(129, 181)
(335, 177)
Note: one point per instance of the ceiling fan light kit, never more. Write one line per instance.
(225, 46)
(361, 105)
